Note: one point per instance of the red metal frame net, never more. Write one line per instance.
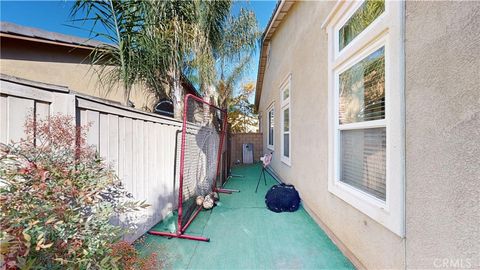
(203, 134)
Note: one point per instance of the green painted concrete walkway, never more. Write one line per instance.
(244, 234)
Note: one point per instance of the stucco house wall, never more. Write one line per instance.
(61, 65)
(442, 92)
(299, 47)
(442, 103)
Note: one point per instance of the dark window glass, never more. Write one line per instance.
(361, 19)
(362, 90)
(270, 127)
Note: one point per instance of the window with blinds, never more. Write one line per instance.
(366, 108)
(286, 133)
(271, 121)
(362, 100)
(285, 121)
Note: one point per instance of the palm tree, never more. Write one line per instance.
(168, 40)
(234, 53)
(157, 42)
(116, 60)
(199, 39)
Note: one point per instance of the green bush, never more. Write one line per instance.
(57, 200)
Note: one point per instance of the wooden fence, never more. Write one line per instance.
(142, 147)
(236, 142)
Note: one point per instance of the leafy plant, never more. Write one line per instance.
(130, 259)
(235, 53)
(241, 117)
(57, 200)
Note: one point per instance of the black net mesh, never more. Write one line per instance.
(201, 149)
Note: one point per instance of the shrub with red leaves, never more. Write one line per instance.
(130, 259)
(57, 198)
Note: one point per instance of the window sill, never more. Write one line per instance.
(286, 161)
(357, 193)
(369, 205)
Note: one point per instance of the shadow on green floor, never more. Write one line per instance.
(244, 234)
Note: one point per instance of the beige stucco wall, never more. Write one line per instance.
(443, 134)
(442, 102)
(299, 47)
(60, 65)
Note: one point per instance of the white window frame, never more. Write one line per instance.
(386, 30)
(271, 108)
(260, 123)
(285, 104)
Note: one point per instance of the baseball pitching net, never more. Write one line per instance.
(203, 133)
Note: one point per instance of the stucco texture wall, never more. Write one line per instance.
(61, 65)
(443, 134)
(299, 47)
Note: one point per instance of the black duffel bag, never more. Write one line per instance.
(282, 198)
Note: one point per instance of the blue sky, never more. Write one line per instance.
(54, 16)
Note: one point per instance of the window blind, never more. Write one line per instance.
(363, 160)
(286, 132)
(270, 127)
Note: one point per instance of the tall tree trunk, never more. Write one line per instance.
(177, 96)
(210, 95)
(210, 98)
(126, 91)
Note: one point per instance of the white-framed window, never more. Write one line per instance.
(366, 108)
(271, 126)
(285, 121)
(260, 123)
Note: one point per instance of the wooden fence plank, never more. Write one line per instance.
(3, 119)
(103, 127)
(92, 120)
(129, 155)
(121, 149)
(18, 110)
(42, 111)
(119, 110)
(26, 92)
(113, 143)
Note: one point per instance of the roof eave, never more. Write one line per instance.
(20, 32)
(45, 41)
(278, 15)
